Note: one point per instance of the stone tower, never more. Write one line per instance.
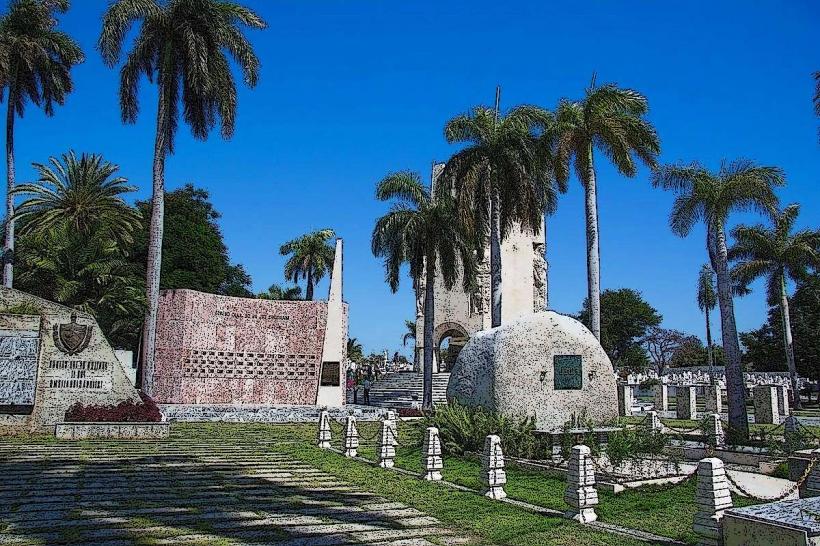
(459, 314)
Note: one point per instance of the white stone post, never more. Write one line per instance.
(580, 492)
(387, 441)
(323, 435)
(624, 399)
(431, 460)
(661, 397)
(711, 499)
(351, 440)
(493, 475)
(712, 399)
(765, 399)
(713, 429)
(686, 402)
(783, 400)
(653, 422)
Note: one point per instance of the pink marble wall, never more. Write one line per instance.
(219, 350)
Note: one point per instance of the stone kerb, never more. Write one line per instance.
(686, 402)
(712, 498)
(493, 475)
(431, 461)
(323, 434)
(351, 438)
(765, 402)
(580, 492)
(388, 439)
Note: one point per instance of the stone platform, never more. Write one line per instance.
(229, 413)
(789, 522)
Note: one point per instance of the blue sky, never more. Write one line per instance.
(351, 90)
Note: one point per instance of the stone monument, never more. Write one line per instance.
(543, 365)
(51, 359)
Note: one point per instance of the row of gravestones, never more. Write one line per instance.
(771, 402)
(701, 376)
(713, 495)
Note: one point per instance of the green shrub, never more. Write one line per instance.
(634, 443)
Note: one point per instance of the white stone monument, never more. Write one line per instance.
(713, 430)
(712, 498)
(625, 399)
(323, 435)
(712, 399)
(387, 441)
(431, 460)
(661, 394)
(351, 439)
(653, 422)
(493, 475)
(765, 401)
(783, 400)
(686, 407)
(580, 492)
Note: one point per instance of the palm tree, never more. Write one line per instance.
(709, 197)
(35, 66)
(311, 257)
(82, 194)
(277, 292)
(611, 120)
(183, 46)
(355, 351)
(777, 254)
(707, 300)
(421, 232)
(501, 179)
(409, 332)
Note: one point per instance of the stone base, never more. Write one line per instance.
(231, 413)
(432, 475)
(112, 431)
(584, 515)
(495, 493)
(387, 463)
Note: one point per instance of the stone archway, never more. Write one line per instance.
(448, 340)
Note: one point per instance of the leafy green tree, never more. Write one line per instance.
(626, 319)
(707, 301)
(183, 46)
(501, 179)
(194, 254)
(35, 66)
(311, 258)
(409, 332)
(778, 255)
(764, 346)
(277, 292)
(710, 197)
(355, 351)
(425, 234)
(611, 120)
(692, 352)
(82, 194)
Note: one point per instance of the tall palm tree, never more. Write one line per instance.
(707, 301)
(611, 120)
(710, 197)
(311, 257)
(421, 231)
(183, 46)
(409, 332)
(355, 351)
(277, 292)
(777, 254)
(501, 179)
(82, 193)
(35, 66)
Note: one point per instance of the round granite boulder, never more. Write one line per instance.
(544, 365)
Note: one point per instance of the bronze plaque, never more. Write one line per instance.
(567, 372)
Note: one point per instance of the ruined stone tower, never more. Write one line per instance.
(459, 314)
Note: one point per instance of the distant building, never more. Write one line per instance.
(458, 314)
(214, 349)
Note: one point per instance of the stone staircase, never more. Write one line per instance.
(396, 390)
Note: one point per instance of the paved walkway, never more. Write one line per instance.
(192, 493)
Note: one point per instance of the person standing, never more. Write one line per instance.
(366, 385)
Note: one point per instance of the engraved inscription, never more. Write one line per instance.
(18, 366)
(567, 372)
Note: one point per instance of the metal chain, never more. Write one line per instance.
(791, 489)
(699, 426)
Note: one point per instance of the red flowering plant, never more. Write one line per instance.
(124, 412)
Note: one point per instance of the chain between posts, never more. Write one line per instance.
(699, 426)
(789, 490)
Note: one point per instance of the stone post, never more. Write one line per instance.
(653, 422)
(624, 399)
(580, 492)
(783, 400)
(351, 439)
(713, 429)
(711, 499)
(431, 460)
(790, 425)
(387, 441)
(686, 402)
(493, 475)
(661, 397)
(712, 399)
(323, 435)
(765, 399)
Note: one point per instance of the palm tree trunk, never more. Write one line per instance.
(429, 321)
(709, 351)
(154, 264)
(8, 245)
(309, 288)
(787, 341)
(495, 257)
(735, 385)
(593, 251)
